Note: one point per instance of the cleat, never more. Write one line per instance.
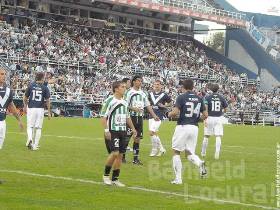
(123, 160)
(34, 148)
(137, 162)
(202, 170)
(203, 155)
(107, 180)
(118, 183)
(29, 144)
(161, 152)
(175, 181)
(153, 154)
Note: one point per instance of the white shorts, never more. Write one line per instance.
(185, 138)
(35, 117)
(214, 126)
(154, 125)
(2, 130)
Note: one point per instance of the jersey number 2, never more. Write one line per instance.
(36, 95)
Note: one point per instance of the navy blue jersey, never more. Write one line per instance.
(37, 94)
(216, 103)
(156, 99)
(6, 97)
(190, 106)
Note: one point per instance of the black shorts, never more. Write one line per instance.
(138, 124)
(117, 142)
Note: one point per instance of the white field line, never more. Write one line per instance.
(139, 189)
(90, 138)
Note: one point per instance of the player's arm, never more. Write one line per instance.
(151, 111)
(175, 112)
(48, 101)
(104, 118)
(204, 110)
(12, 108)
(149, 108)
(130, 124)
(25, 99)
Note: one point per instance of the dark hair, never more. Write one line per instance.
(39, 76)
(158, 81)
(215, 88)
(116, 85)
(135, 78)
(188, 84)
(124, 80)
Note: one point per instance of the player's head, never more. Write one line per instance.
(157, 86)
(119, 88)
(188, 84)
(39, 77)
(136, 81)
(127, 82)
(2, 75)
(215, 88)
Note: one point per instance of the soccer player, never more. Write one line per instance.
(188, 106)
(6, 102)
(126, 81)
(216, 106)
(159, 101)
(115, 118)
(34, 100)
(137, 100)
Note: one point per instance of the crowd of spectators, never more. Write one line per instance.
(59, 50)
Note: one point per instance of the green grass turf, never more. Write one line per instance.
(245, 173)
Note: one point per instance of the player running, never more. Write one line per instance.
(159, 101)
(34, 100)
(213, 125)
(6, 102)
(137, 100)
(188, 106)
(115, 118)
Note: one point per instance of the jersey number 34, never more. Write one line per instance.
(191, 109)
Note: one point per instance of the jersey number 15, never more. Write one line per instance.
(36, 95)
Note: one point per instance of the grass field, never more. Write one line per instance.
(66, 173)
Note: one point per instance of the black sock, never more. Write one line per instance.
(107, 170)
(135, 151)
(116, 174)
(123, 157)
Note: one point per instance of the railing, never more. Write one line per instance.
(202, 8)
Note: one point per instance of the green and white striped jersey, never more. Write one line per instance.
(136, 98)
(116, 112)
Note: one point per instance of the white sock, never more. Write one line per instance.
(160, 146)
(218, 145)
(1, 142)
(195, 160)
(154, 144)
(204, 146)
(37, 137)
(29, 134)
(177, 167)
